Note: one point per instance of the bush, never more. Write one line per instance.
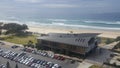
(94, 66)
(117, 45)
(108, 41)
(118, 38)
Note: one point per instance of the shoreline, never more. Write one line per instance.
(57, 29)
(44, 29)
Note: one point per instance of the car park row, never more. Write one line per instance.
(27, 60)
(2, 66)
(44, 53)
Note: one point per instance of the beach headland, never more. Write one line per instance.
(103, 33)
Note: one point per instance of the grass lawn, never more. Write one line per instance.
(20, 39)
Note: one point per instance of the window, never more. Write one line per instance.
(54, 44)
(70, 47)
(79, 40)
(44, 42)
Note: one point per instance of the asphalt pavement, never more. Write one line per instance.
(7, 46)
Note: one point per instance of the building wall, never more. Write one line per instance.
(62, 46)
(80, 43)
(93, 43)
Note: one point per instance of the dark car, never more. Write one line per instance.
(2, 43)
(15, 46)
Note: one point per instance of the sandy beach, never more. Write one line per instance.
(104, 33)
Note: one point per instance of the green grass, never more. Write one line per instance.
(95, 66)
(25, 39)
(105, 40)
(20, 39)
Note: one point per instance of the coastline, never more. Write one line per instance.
(103, 33)
(108, 33)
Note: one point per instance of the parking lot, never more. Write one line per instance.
(49, 62)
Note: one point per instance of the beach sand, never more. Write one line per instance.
(104, 33)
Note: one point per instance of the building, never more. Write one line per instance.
(77, 44)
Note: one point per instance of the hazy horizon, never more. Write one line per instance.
(69, 9)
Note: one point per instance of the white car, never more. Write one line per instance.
(56, 66)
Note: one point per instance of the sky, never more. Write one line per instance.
(60, 8)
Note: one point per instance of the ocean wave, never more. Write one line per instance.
(12, 17)
(81, 26)
(118, 22)
(58, 19)
(102, 22)
(63, 24)
(20, 22)
(10, 21)
(93, 27)
(58, 23)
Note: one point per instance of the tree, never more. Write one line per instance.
(14, 28)
(25, 45)
(30, 44)
(1, 23)
(16, 66)
(24, 26)
(8, 65)
(38, 47)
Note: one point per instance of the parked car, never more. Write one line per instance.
(28, 60)
(14, 46)
(3, 66)
(2, 43)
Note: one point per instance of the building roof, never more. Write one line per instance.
(73, 35)
(72, 39)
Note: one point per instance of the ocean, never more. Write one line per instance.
(65, 23)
